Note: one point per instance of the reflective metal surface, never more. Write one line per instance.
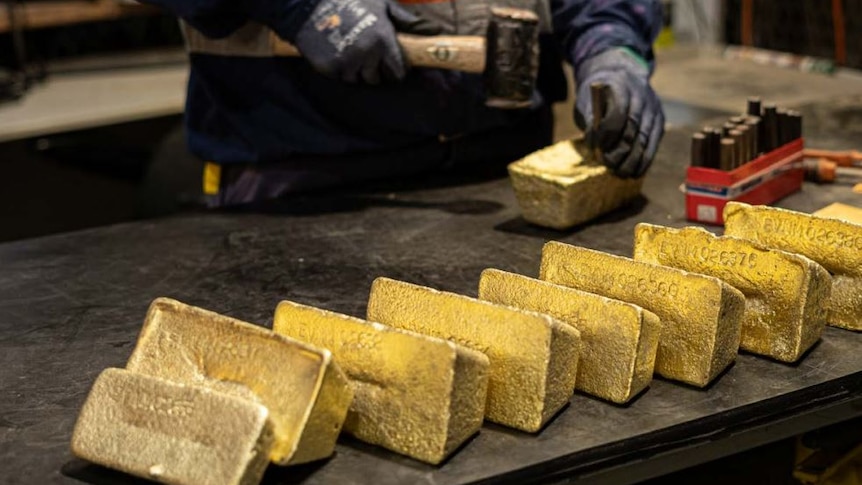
(558, 187)
(417, 395)
(618, 340)
(533, 356)
(835, 244)
(305, 392)
(172, 433)
(785, 293)
(701, 316)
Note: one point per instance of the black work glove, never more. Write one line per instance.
(633, 123)
(355, 39)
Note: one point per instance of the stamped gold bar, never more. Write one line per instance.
(618, 340)
(785, 293)
(834, 244)
(413, 394)
(700, 315)
(172, 433)
(533, 357)
(559, 188)
(306, 393)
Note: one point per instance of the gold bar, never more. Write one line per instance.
(413, 394)
(558, 187)
(533, 357)
(842, 212)
(306, 393)
(700, 316)
(784, 292)
(172, 433)
(618, 340)
(834, 244)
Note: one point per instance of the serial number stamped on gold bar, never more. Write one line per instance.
(160, 405)
(362, 341)
(839, 239)
(169, 340)
(709, 254)
(428, 329)
(644, 284)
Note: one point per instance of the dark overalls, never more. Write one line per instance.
(272, 125)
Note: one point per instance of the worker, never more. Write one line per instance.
(352, 109)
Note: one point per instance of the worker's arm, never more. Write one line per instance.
(351, 40)
(610, 42)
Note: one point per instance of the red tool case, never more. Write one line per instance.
(763, 180)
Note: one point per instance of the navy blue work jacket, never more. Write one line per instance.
(251, 110)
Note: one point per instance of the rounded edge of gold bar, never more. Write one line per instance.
(551, 184)
(105, 447)
(241, 381)
(494, 283)
(821, 239)
(663, 303)
(400, 297)
(462, 421)
(792, 332)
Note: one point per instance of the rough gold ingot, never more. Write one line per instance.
(172, 433)
(834, 244)
(785, 293)
(842, 212)
(413, 394)
(700, 315)
(618, 340)
(533, 357)
(306, 393)
(557, 187)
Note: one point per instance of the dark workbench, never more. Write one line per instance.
(72, 305)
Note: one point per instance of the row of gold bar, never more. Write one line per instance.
(214, 399)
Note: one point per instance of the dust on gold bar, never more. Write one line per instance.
(618, 340)
(533, 357)
(785, 293)
(700, 315)
(172, 433)
(557, 187)
(306, 393)
(834, 244)
(416, 395)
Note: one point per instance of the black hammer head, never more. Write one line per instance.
(512, 57)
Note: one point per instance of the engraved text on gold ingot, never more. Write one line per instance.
(533, 357)
(172, 433)
(785, 293)
(306, 393)
(618, 340)
(700, 315)
(836, 245)
(558, 187)
(414, 394)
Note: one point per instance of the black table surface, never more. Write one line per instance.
(72, 305)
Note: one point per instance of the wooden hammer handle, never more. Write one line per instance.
(842, 158)
(453, 52)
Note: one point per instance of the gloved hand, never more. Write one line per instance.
(353, 39)
(633, 123)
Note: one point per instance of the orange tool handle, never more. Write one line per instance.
(847, 158)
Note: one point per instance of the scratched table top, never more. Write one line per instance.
(72, 305)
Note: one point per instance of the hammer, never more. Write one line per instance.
(507, 57)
